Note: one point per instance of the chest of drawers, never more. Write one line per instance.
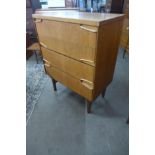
(80, 49)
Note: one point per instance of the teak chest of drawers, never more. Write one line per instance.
(79, 49)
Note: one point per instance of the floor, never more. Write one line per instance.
(60, 124)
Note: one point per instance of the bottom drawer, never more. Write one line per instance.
(83, 88)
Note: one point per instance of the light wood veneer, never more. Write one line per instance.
(80, 49)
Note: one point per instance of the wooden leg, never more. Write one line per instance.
(88, 106)
(36, 56)
(103, 92)
(124, 53)
(54, 84)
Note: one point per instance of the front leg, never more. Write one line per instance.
(103, 92)
(124, 52)
(88, 106)
(54, 84)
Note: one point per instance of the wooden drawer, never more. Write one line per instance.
(73, 40)
(73, 67)
(74, 84)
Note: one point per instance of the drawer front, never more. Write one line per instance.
(70, 66)
(73, 40)
(71, 82)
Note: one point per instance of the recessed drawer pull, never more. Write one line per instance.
(46, 60)
(38, 20)
(88, 61)
(88, 29)
(47, 65)
(42, 44)
(87, 84)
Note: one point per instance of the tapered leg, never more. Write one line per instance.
(103, 92)
(88, 106)
(36, 56)
(124, 53)
(54, 84)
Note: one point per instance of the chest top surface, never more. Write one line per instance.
(93, 19)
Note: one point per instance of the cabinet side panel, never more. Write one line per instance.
(107, 49)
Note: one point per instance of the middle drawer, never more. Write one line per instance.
(68, 65)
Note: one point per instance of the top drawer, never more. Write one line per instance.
(73, 40)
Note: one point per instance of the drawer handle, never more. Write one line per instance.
(88, 29)
(46, 60)
(47, 65)
(38, 20)
(88, 61)
(87, 84)
(42, 44)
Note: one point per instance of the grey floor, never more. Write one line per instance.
(60, 125)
